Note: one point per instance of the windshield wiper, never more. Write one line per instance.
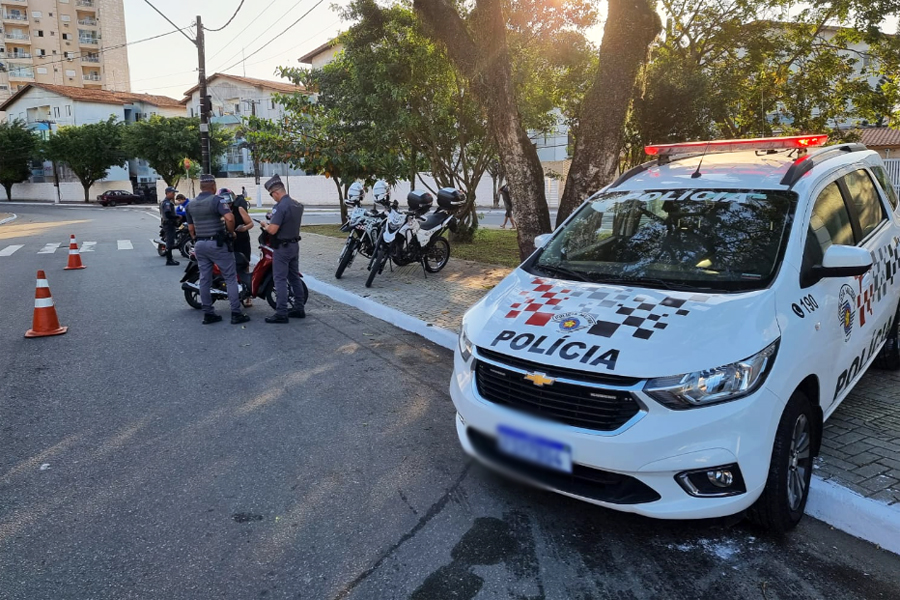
(643, 281)
(563, 271)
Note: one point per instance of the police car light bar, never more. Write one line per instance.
(774, 143)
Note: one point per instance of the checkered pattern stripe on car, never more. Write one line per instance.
(635, 313)
(885, 263)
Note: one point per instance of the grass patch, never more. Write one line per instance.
(491, 246)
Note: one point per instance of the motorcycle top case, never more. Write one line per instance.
(420, 201)
(450, 198)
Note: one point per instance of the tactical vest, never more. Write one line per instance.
(205, 215)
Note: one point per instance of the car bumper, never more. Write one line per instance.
(651, 449)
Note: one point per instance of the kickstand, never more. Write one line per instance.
(424, 270)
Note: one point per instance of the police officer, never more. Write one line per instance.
(212, 225)
(169, 218)
(284, 230)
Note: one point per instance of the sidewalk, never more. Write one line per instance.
(861, 443)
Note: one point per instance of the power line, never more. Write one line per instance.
(230, 58)
(229, 20)
(289, 27)
(193, 41)
(258, 15)
(292, 48)
(107, 49)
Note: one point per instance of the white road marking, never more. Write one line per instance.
(125, 245)
(48, 249)
(88, 246)
(9, 250)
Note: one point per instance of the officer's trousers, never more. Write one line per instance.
(208, 254)
(286, 271)
(169, 229)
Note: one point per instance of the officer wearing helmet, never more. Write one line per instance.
(212, 226)
(169, 217)
(284, 232)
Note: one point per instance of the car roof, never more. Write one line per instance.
(747, 169)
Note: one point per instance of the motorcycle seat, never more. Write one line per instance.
(434, 220)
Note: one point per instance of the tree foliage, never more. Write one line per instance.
(89, 150)
(164, 142)
(17, 149)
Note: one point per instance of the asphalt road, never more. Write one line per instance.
(143, 455)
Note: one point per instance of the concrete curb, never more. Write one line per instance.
(829, 502)
(9, 219)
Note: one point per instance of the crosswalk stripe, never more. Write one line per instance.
(88, 246)
(125, 245)
(49, 249)
(9, 250)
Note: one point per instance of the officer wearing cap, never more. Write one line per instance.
(212, 225)
(169, 218)
(284, 230)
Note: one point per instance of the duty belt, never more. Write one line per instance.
(207, 239)
(290, 241)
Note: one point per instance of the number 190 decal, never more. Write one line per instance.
(807, 304)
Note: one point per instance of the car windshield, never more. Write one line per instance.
(721, 240)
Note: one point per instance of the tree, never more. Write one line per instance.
(165, 142)
(88, 150)
(17, 149)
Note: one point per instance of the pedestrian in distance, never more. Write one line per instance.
(181, 203)
(169, 220)
(211, 224)
(507, 204)
(284, 234)
(243, 224)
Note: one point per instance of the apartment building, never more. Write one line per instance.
(75, 43)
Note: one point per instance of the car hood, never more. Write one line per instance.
(621, 330)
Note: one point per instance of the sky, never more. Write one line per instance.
(168, 65)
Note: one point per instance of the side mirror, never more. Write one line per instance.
(844, 261)
(541, 240)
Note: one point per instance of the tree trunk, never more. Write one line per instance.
(413, 170)
(482, 56)
(87, 190)
(343, 206)
(8, 187)
(631, 25)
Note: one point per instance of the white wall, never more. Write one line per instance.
(68, 190)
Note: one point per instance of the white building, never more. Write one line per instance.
(322, 55)
(45, 107)
(233, 99)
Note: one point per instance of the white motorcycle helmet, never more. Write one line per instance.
(382, 192)
(355, 194)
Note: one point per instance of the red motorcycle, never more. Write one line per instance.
(262, 284)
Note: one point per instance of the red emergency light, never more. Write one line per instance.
(773, 143)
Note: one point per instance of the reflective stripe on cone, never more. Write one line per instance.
(45, 322)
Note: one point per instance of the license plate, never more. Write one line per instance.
(535, 449)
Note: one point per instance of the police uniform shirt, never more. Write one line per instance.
(167, 210)
(287, 214)
(223, 206)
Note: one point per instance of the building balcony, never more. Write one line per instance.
(89, 22)
(91, 58)
(85, 41)
(85, 5)
(17, 37)
(15, 17)
(21, 75)
(92, 77)
(19, 56)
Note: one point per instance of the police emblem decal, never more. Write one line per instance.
(846, 314)
(573, 321)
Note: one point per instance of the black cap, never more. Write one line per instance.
(275, 182)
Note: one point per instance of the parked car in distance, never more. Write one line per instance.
(114, 197)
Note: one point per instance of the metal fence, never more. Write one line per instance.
(892, 165)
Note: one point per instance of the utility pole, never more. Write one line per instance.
(256, 162)
(204, 105)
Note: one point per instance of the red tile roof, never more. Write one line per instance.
(275, 86)
(880, 137)
(93, 95)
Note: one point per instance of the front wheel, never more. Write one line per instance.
(111, 203)
(437, 255)
(377, 264)
(192, 297)
(346, 257)
(187, 247)
(272, 297)
(781, 505)
(161, 249)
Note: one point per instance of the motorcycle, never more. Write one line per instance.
(183, 241)
(409, 237)
(262, 282)
(363, 225)
(190, 282)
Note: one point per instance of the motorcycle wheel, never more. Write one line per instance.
(160, 249)
(346, 257)
(377, 264)
(272, 298)
(192, 297)
(437, 255)
(187, 247)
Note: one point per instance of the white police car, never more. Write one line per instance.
(674, 347)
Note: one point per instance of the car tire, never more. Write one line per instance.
(889, 357)
(112, 203)
(781, 505)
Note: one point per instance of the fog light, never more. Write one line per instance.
(717, 482)
(720, 478)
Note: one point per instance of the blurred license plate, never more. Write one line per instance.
(534, 449)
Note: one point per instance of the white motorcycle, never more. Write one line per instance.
(411, 236)
(364, 226)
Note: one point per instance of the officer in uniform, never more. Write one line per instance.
(212, 226)
(284, 230)
(169, 218)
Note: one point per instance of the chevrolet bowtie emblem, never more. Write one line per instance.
(539, 379)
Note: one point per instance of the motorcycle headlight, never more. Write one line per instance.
(712, 386)
(465, 345)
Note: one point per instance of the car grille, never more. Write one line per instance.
(584, 406)
(586, 482)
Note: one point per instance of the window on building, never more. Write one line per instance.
(36, 14)
(39, 33)
(272, 103)
(42, 70)
(65, 18)
(67, 36)
(42, 52)
(70, 73)
(63, 1)
(68, 110)
(56, 112)
(237, 108)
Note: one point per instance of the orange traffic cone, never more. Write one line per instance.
(45, 320)
(74, 256)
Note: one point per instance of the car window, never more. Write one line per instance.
(865, 198)
(830, 222)
(889, 190)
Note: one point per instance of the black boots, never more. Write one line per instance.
(277, 319)
(238, 318)
(209, 319)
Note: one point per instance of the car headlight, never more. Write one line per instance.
(722, 384)
(465, 345)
